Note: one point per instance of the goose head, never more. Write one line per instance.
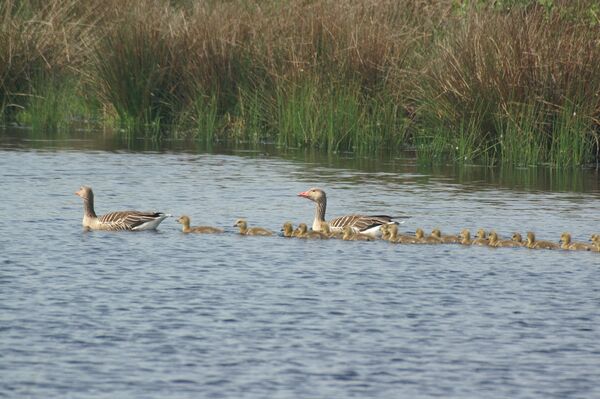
(314, 194)
(85, 192)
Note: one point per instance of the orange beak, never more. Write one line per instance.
(303, 194)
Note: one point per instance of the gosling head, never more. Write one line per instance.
(184, 220)
(465, 234)
(287, 229)
(493, 237)
(419, 233)
(530, 236)
(517, 237)
(302, 228)
(325, 228)
(436, 233)
(241, 223)
(481, 234)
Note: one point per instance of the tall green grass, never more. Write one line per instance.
(469, 81)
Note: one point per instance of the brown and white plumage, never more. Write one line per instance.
(185, 222)
(251, 231)
(360, 223)
(115, 221)
(352, 235)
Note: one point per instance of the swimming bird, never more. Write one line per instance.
(331, 234)
(114, 221)
(533, 244)
(495, 242)
(364, 224)
(566, 243)
(287, 229)
(252, 231)
(185, 221)
(448, 239)
(396, 238)
(481, 238)
(516, 237)
(304, 233)
(465, 237)
(596, 242)
(421, 239)
(351, 235)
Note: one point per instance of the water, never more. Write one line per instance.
(166, 315)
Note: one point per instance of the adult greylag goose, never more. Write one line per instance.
(533, 244)
(185, 221)
(287, 229)
(494, 241)
(352, 235)
(481, 238)
(360, 223)
(566, 243)
(304, 233)
(251, 231)
(447, 239)
(399, 238)
(116, 221)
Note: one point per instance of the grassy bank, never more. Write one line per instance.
(513, 81)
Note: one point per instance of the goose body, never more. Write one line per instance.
(251, 231)
(494, 241)
(566, 243)
(534, 244)
(185, 222)
(370, 225)
(116, 221)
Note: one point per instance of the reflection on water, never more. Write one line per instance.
(510, 177)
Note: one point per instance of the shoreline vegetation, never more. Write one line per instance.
(512, 82)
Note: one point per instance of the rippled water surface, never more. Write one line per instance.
(167, 315)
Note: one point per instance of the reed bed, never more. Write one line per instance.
(515, 82)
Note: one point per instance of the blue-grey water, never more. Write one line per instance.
(167, 315)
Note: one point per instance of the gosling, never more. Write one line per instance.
(481, 238)
(325, 229)
(185, 222)
(449, 239)
(465, 237)
(396, 238)
(566, 243)
(533, 244)
(421, 239)
(516, 237)
(496, 243)
(287, 229)
(252, 231)
(304, 233)
(351, 235)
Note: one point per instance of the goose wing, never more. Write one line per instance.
(360, 222)
(129, 220)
